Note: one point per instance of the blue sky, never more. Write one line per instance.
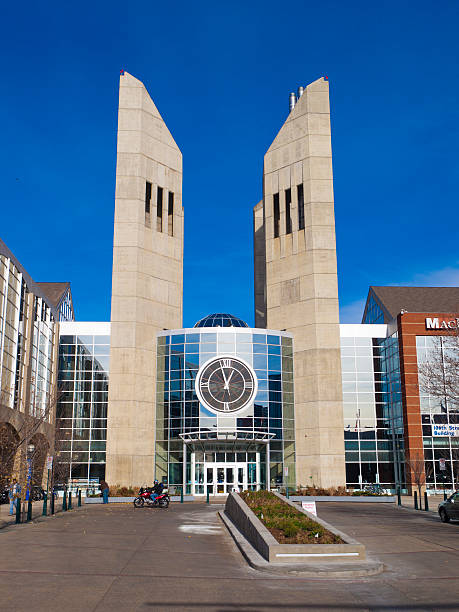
(220, 74)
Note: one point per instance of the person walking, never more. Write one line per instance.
(13, 494)
(105, 490)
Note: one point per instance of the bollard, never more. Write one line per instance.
(45, 504)
(29, 509)
(287, 493)
(64, 502)
(181, 495)
(416, 500)
(399, 496)
(207, 497)
(79, 498)
(52, 502)
(445, 497)
(426, 502)
(18, 510)
(70, 500)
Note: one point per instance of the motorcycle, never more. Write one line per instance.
(144, 497)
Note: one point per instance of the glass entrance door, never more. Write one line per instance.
(223, 478)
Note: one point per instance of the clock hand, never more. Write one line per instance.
(228, 381)
(224, 377)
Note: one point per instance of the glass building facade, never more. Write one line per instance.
(27, 344)
(84, 360)
(226, 450)
(372, 407)
(441, 452)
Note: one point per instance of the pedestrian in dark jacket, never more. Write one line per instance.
(105, 490)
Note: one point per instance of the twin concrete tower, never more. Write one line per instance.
(296, 285)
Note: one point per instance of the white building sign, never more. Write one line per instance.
(436, 323)
(451, 431)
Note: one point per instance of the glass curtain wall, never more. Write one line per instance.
(27, 372)
(82, 408)
(368, 418)
(179, 411)
(441, 452)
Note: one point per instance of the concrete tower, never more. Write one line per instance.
(296, 285)
(147, 278)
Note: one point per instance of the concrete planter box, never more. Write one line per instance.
(126, 500)
(270, 549)
(389, 499)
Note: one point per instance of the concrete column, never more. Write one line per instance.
(268, 471)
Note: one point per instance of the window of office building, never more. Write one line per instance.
(372, 433)
(440, 416)
(82, 407)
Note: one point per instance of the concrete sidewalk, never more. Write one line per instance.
(110, 558)
(37, 511)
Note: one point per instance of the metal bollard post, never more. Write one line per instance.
(287, 493)
(70, 500)
(181, 495)
(29, 510)
(79, 498)
(416, 500)
(52, 502)
(18, 510)
(426, 502)
(207, 496)
(45, 504)
(64, 502)
(399, 496)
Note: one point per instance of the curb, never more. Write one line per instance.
(320, 570)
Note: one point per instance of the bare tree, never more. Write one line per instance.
(418, 472)
(439, 373)
(23, 446)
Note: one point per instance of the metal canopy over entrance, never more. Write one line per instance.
(225, 461)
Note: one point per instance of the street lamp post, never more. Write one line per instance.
(30, 452)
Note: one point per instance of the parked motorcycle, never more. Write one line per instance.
(144, 497)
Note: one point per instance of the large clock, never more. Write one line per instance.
(226, 384)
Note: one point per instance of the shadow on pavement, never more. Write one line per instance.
(224, 607)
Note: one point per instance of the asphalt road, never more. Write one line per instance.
(113, 557)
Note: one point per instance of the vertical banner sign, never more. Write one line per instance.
(49, 462)
(286, 470)
(442, 463)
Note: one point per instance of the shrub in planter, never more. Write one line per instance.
(287, 525)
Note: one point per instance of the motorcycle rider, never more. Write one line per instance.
(157, 490)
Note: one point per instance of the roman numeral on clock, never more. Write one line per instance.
(225, 363)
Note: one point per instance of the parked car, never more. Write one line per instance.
(449, 509)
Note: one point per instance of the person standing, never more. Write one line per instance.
(105, 490)
(13, 494)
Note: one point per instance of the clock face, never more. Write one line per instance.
(226, 384)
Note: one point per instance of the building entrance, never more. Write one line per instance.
(222, 478)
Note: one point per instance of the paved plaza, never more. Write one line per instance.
(102, 558)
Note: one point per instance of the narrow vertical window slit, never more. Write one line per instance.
(159, 210)
(170, 214)
(300, 193)
(276, 215)
(288, 216)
